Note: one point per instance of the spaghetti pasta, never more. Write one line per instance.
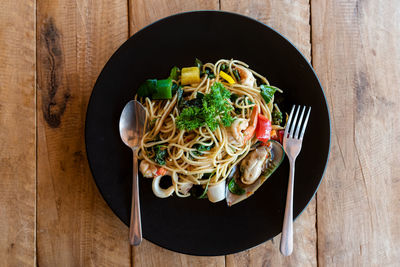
(203, 156)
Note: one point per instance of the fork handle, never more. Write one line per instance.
(135, 228)
(286, 246)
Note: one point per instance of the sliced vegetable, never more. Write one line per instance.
(156, 89)
(174, 74)
(163, 89)
(147, 88)
(190, 75)
(226, 77)
(234, 188)
(277, 155)
(263, 131)
(267, 92)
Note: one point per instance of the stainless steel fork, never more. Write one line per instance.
(292, 141)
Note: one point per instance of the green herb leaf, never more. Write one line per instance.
(210, 73)
(190, 119)
(199, 148)
(197, 102)
(267, 92)
(179, 93)
(160, 154)
(234, 188)
(215, 110)
(236, 74)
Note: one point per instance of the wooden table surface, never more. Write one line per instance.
(51, 52)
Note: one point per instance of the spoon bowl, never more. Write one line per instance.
(131, 123)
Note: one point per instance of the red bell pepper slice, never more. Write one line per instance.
(264, 127)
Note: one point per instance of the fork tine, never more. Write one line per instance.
(305, 124)
(294, 123)
(288, 122)
(296, 135)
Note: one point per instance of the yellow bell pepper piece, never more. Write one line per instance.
(190, 75)
(226, 77)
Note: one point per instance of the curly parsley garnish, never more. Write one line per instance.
(215, 110)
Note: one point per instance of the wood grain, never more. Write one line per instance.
(356, 54)
(142, 13)
(291, 18)
(18, 133)
(148, 255)
(74, 226)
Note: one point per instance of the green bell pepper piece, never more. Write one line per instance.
(163, 89)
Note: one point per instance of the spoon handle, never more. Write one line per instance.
(135, 229)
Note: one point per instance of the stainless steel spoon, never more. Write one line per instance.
(131, 126)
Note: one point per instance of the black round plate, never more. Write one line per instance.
(188, 225)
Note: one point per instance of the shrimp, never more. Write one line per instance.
(148, 169)
(236, 131)
(246, 77)
(242, 130)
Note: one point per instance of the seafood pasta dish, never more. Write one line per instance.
(213, 131)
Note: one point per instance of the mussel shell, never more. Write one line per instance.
(277, 156)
